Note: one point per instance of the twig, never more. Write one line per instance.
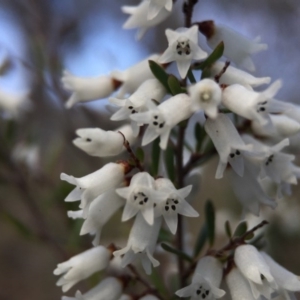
(218, 76)
(133, 156)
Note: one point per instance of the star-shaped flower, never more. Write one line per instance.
(183, 48)
(174, 203)
(140, 196)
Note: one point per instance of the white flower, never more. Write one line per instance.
(254, 268)
(87, 88)
(253, 105)
(100, 212)
(134, 76)
(148, 91)
(206, 94)
(140, 196)
(163, 118)
(13, 104)
(155, 6)
(102, 143)
(248, 190)
(286, 280)
(139, 18)
(92, 185)
(81, 266)
(237, 76)
(238, 286)
(228, 143)
(141, 243)
(183, 48)
(108, 289)
(75, 214)
(206, 281)
(237, 47)
(280, 126)
(174, 203)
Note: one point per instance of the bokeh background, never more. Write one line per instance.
(38, 39)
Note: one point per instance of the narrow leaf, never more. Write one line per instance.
(228, 229)
(241, 229)
(210, 221)
(191, 76)
(212, 58)
(199, 134)
(140, 154)
(161, 75)
(249, 236)
(202, 237)
(174, 85)
(169, 163)
(155, 157)
(179, 253)
(205, 74)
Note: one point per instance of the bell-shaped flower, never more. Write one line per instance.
(238, 285)
(254, 268)
(174, 203)
(139, 17)
(253, 105)
(134, 76)
(140, 196)
(100, 212)
(87, 88)
(163, 118)
(281, 126)
(92, 185)
(141, 243)
(138, 102)
(228, 143)
(103, 143)
(75, 214)
(109, 288)
(183, 48)
(234, 75)
(237, 48)
(285, 280)
(155, 6)
(206, 281)
(13, 104)
(248, 190)
(206, 94)
(82, 266)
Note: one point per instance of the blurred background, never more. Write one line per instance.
(38, 39)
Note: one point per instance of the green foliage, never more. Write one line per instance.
(174, 85)
(161, 75)
(140, 154)
(210, 221)
(170, 163)
(199, 134)
(179, 253)
(155, 155)
(228, 229)
(202, 237)
(241, 229)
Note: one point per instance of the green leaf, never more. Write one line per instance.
(249, 236)
(202, 237)
(140, 154)
(205, 74)
(191, 76)
(228, 229)
(164, 236)
(158, 282)
(155, 157)
(212, 58)
(174, 85)
(170, 163)
(210, 221)
(176, 252)
(241, 229)
(161, 75)
(199, 133)
(18, 225)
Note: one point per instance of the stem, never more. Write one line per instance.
(218, 76)
(133, 156)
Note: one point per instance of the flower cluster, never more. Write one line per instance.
(155, 104)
